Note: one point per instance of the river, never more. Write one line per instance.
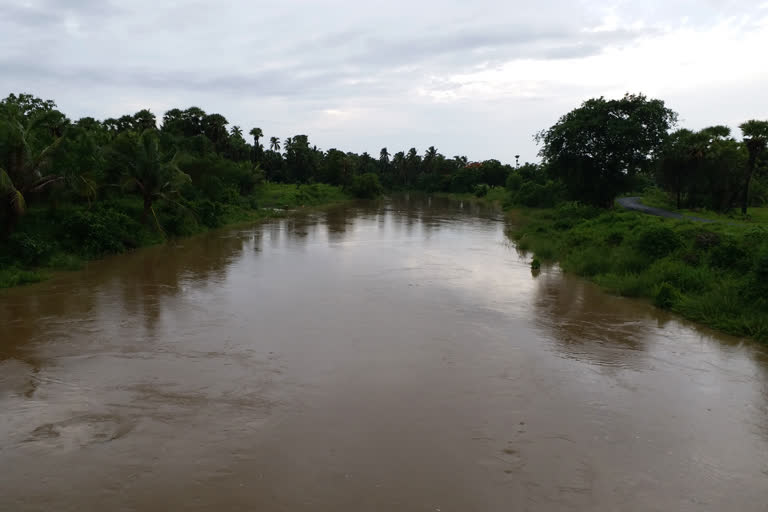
(396, 355)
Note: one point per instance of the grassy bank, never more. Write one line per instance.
(715, 274)
(66, 236)
(660, 199)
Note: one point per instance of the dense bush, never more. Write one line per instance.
(98, 231)
(657, 241)
(28, 249)
(536, 195)
(716, 273)
(366, 186)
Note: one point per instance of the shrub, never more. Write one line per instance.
(481, 190)
(706, 240)
(666, 296)
(29, 249)
(366, 186)
(514, 182)
(208, 212)
(99, 231)
(657, 241)
(730, 255)
(538, 196)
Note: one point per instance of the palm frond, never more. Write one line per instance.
(14, 196)
(18, 204)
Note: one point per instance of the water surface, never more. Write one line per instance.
(396, 355)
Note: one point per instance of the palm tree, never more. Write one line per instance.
(26, 166)
(756, 139)
(12, 201)
(274, 144)
(256, 133)
(147, 168)
(237, 132)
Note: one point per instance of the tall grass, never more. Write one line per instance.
(711, 273)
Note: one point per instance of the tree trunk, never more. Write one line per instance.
(147, 209)
(745, 192)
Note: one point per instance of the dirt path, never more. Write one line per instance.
(633, 203)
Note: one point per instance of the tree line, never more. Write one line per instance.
(191, 157)
(609, 147)
(195, 160)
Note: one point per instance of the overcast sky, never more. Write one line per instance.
(472, 78)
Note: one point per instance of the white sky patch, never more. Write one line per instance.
(677, 60)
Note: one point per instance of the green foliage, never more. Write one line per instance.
(657, 240)
(666, 296)
(537, 195)
(366, 186)
(96, 232)
(597, 148)
(13, 276)
(28, 249)
(716, 274)
(482, 190)
(535, 264)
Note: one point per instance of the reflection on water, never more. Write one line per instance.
(392, 355)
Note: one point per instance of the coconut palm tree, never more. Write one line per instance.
(12, 204)
(756, 140)
(153, 172)
(28, 155)
(274, 144)
(256, 133)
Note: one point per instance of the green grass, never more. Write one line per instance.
(715, 274)
(288, 196)
(659, 199)
(13, 276)
(495, 195)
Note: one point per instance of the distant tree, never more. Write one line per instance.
(428, 164)
(756, 140)
(702, 168)
(274, 144)
(257, 134)
(144, 120)
(300, 159)
(215, 128)
(596, 148)
(681, 154)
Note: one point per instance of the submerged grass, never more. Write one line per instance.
(715, 274)
(493, 195)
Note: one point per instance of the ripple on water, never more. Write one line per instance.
(79, 431)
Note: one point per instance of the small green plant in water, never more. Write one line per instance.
(666, 296)
(535, 264)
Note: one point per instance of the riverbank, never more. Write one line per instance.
(715, 274)
(67, 236)
(491, 195)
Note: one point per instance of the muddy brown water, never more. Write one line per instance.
(396, 355)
